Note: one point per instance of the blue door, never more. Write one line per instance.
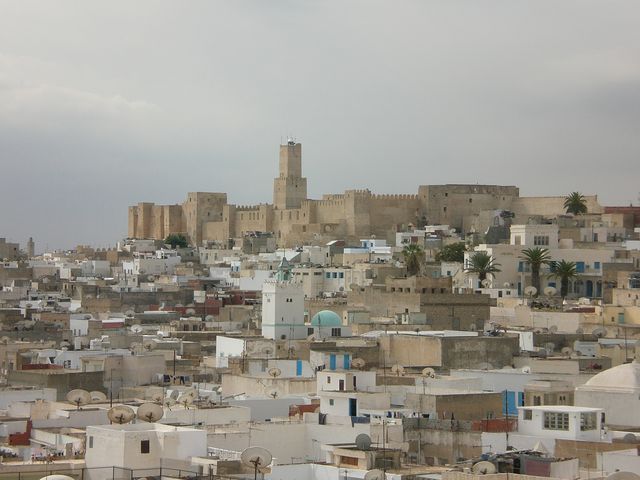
(589, 288)
(299, 368)
(346, 361)
(332, 361)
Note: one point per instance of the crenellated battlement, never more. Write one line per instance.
(395, 196)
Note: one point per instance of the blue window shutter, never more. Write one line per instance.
(332, 361)
(299, 368)
(346, 362)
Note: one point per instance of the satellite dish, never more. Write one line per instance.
(130, 313)
(256, 457)
(57, 477)
(363, 441)
(506, 285)
(429, 372)
(185, 401)
(553, 329)
(157, 397)
(374, 475)
(600, 332)
(397, 369)
(160, 334)
(550, 347)
(267, 350)
(169, 402)
(97, 396)
(190, 311)
(530, 291)
(151, 278)
(358, 362)
(526, 369)
(311, 338)
(274, 372)
(486, 283)
(550, 291)
(567, 351)
(473, 327)
(121, 414)
(483, 468)
(209, 318)
(150, 412)
(273, 392)
(79, 397)
(630, 438)
(136, 328)
(623, 476)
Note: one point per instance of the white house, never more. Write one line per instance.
(561, 422)
(140, 446)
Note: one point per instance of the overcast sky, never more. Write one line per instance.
(106, 104)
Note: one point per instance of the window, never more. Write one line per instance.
(328, 378)
(556, 421)
(341, 275)
(336, 332)
(144, 446)
(536, 400)
(331, 402)
(91, 441)
(596, 265)
(562, 399)
(309, 331)
(328, 275)
(541, 240)
(527, 414)
(588, 421)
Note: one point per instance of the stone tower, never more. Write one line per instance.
(31, 248)
(290, 188)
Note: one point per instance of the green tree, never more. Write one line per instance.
(413, 258)
(176, 240)
(575, 203)
(536, 257)
(454, 252)
(482, 264)
(565, 271)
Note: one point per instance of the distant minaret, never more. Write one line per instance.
(290, 187)
(31, 248)
(283, 306)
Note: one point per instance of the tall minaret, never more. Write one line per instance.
(31, 248)
(290, 188)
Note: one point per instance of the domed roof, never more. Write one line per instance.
(326, 318)
(622, 377)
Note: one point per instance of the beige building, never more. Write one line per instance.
(296, 219)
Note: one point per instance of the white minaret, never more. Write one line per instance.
(283, 306)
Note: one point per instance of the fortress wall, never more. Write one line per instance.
(390, 212)
(329, 211)
(132, 222)
(216, 231)
(199, 208)
(549, 206)
(449, 204)
(249, 218)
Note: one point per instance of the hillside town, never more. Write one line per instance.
(463, 332)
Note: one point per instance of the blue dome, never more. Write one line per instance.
(326, 318)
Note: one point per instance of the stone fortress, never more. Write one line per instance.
(295, 219)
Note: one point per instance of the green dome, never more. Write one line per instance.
(326, 318)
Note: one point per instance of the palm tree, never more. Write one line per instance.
(413, 258)
(482, 264)
(575, 203)
(565, 271)
(536, 257)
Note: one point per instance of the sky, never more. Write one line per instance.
(107, 104)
